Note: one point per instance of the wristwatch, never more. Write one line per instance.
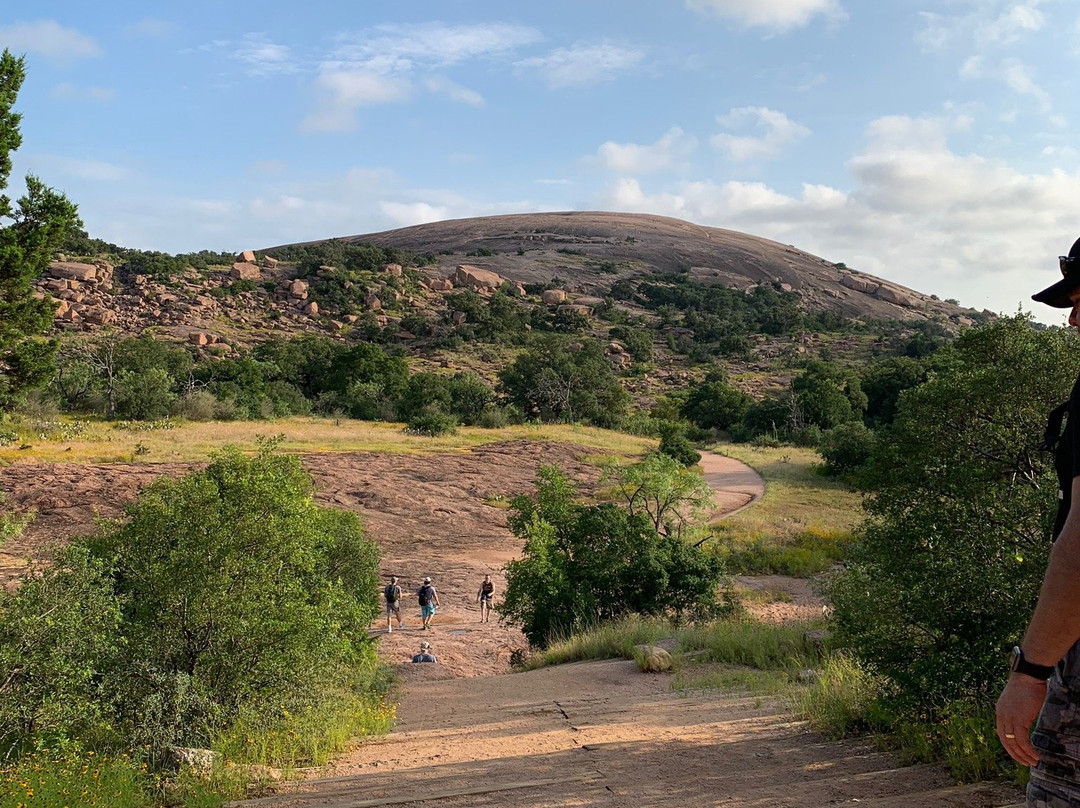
(1021, 665)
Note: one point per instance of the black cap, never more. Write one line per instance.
(1058, 294)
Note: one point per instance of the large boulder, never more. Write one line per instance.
(440, 285)
(246, 271)
(476, 278)
(247, 257)
(652, 659)
(393, 270)
(73, 270)
(552, 297)
(891, 294)
(298, 289)
(859, 284)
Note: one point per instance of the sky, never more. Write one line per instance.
(929, 143)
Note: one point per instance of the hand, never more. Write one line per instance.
(1017, 708)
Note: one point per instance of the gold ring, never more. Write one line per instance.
(1007, 735)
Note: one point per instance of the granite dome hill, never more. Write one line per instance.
(591, 250)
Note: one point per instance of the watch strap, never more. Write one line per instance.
(1022, 665)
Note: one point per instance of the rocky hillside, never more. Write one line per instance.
(588, 253)
(593, 249)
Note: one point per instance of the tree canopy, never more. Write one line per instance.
(30, 231)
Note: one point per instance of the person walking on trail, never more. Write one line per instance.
(392, 593)
(425, 654)
(1045, 673)
(429, 601)
(485, 598)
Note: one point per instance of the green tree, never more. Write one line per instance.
(883, 382)
(715, 403)
(949, 561)
(663, 489)
(584, 564)
(237, 590)
(559, 380)
(40, 221)
(827, 395)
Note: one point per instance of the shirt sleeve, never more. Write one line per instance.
(1073, 428)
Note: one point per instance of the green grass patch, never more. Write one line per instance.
(800, 527)
(724, 677)
(752, 643)
(606, 641)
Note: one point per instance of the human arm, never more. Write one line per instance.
(1054, 628)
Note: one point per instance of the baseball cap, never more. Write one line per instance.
(1057, 295)
(428, 580)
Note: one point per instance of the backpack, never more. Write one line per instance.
(393, 593)
(425, 594)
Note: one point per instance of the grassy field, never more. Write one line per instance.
(800, 527)
(70, 440)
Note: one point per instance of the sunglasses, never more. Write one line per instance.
(1066, 262)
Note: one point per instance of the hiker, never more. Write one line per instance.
(429, 601)
(392, 593)
(485, 597)
(425, 654)
(1045, 672)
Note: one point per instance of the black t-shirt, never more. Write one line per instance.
(1067, 458)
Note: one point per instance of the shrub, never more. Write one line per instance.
(847, 448)
(236, 590)
(586, 564)
(431, 423)
(949, 562)
(675, 444)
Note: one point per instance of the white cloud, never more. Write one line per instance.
(777, 130)
(66, 91)
(778, 15)
(345, 92)
(918, 213)
(49, 39)
(1013, 23)
(1015, 74)
(633, 158)
(263, 57)
(404, 48)
(444, 86)
(583, 63)
(988, 24)
(403, 214)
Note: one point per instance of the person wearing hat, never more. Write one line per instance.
(1044, 681)
(425, 654)
(429, 601)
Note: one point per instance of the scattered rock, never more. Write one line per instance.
(247, 257)
(459, 318)
(440, 285)
(246, 272)
(311, 309)
(298, 289)
(74, 271)
(653, 659)
(198, 338)
(553, 296)
(394, 270)
(476, 278)
(591, 302)
(373, 302)
(269, 263)
(198, 760)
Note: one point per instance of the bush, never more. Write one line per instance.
(432, 423)
(847, 448)
(950, 560)
(237, 592)
(586, 564)
(198, 405)
(675, 444)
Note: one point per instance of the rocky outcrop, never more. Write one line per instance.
(246, 271)
(552, 297)
(859, 284)
(892, 294)
(476, 278)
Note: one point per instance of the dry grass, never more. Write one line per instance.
(797, 497)
(75, 441)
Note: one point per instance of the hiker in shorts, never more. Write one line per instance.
(485, 598)
(1044, 682)
(429, 601)
(425, 654)
(392, 593)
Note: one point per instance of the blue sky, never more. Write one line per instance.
(928, 142)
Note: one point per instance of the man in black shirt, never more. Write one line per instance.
(1045, 678)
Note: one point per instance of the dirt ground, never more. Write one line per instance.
(588, 734)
